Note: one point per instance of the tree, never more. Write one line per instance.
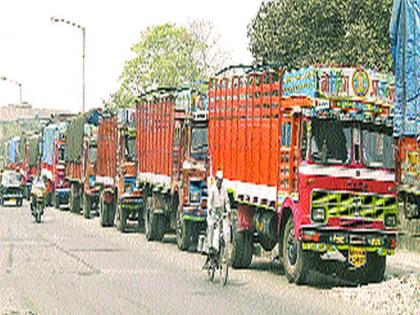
(167, 56)
(295, 33)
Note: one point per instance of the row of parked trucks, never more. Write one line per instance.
(308, 156)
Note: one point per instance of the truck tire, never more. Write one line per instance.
(154, 223)
(150, 231)
(296, 262)
(121, 219)
(56, 202)
(49, 200)
(26, 193)
(140, 217)
(74, 201)
(183, 234)
(242, 247)
(373, 272)
(105, 213)
(87, 204)
(19, 202)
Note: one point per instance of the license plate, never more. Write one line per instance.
(12, 199)
(357, 257)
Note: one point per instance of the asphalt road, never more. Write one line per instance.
(70, 265)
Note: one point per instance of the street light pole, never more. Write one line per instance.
(83, 29)
(84, 63)
(16, 83)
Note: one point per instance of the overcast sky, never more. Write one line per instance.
(47, 58)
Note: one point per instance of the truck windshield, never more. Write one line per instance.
(92, 154)
(130, 153)
(199, 140)
(330, 141)
(378, 147)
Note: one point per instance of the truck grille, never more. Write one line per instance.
(351, 204)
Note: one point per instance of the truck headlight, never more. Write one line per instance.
(318, 214)
(391, 220)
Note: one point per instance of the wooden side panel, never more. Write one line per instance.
(107, 148)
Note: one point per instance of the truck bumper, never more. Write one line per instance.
(337, 240)
(194, 213)
(12, 196)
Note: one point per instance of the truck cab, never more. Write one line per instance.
(309, 163)
(191, 148)
(130, 201)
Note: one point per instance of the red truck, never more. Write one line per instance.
(53, 163)
(172, 148)
(308, 159)
(81, 162)
(120, 199)
(29, 152)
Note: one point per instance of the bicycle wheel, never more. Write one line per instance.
(223, 266)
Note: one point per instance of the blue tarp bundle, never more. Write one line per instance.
(13, 149)
(48, 138)
(405, 44)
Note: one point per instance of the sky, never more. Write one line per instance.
(47, 58)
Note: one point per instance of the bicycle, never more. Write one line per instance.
(218, 254)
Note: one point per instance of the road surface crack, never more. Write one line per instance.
(78, 259)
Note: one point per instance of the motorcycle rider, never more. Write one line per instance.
(38, 185)
(218, 204)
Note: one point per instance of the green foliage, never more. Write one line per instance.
(295, 33)
(168, 55)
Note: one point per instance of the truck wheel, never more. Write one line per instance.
(87, 204)
(76, 205)
(376, 266)
(112, 207)
(121, 219)
(160, 226)
(19, 202)
(48, 202)
(183, 234)
(154, 223)
(74, 202)
(295, 260)
(1, 201)
(242, 247)
(140, 217)
(150, 232)
(56, 201)
(373, 272)
(103, 215)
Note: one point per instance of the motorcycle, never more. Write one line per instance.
(38, 201)
(218, 253)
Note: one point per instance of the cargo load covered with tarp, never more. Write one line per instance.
(405, 44)
(75, 132)
(33, 149)
(13, 149)
(50, 135)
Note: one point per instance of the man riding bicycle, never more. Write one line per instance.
(217, 207)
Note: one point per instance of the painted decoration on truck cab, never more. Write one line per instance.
(341, 85)
(360, 82)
